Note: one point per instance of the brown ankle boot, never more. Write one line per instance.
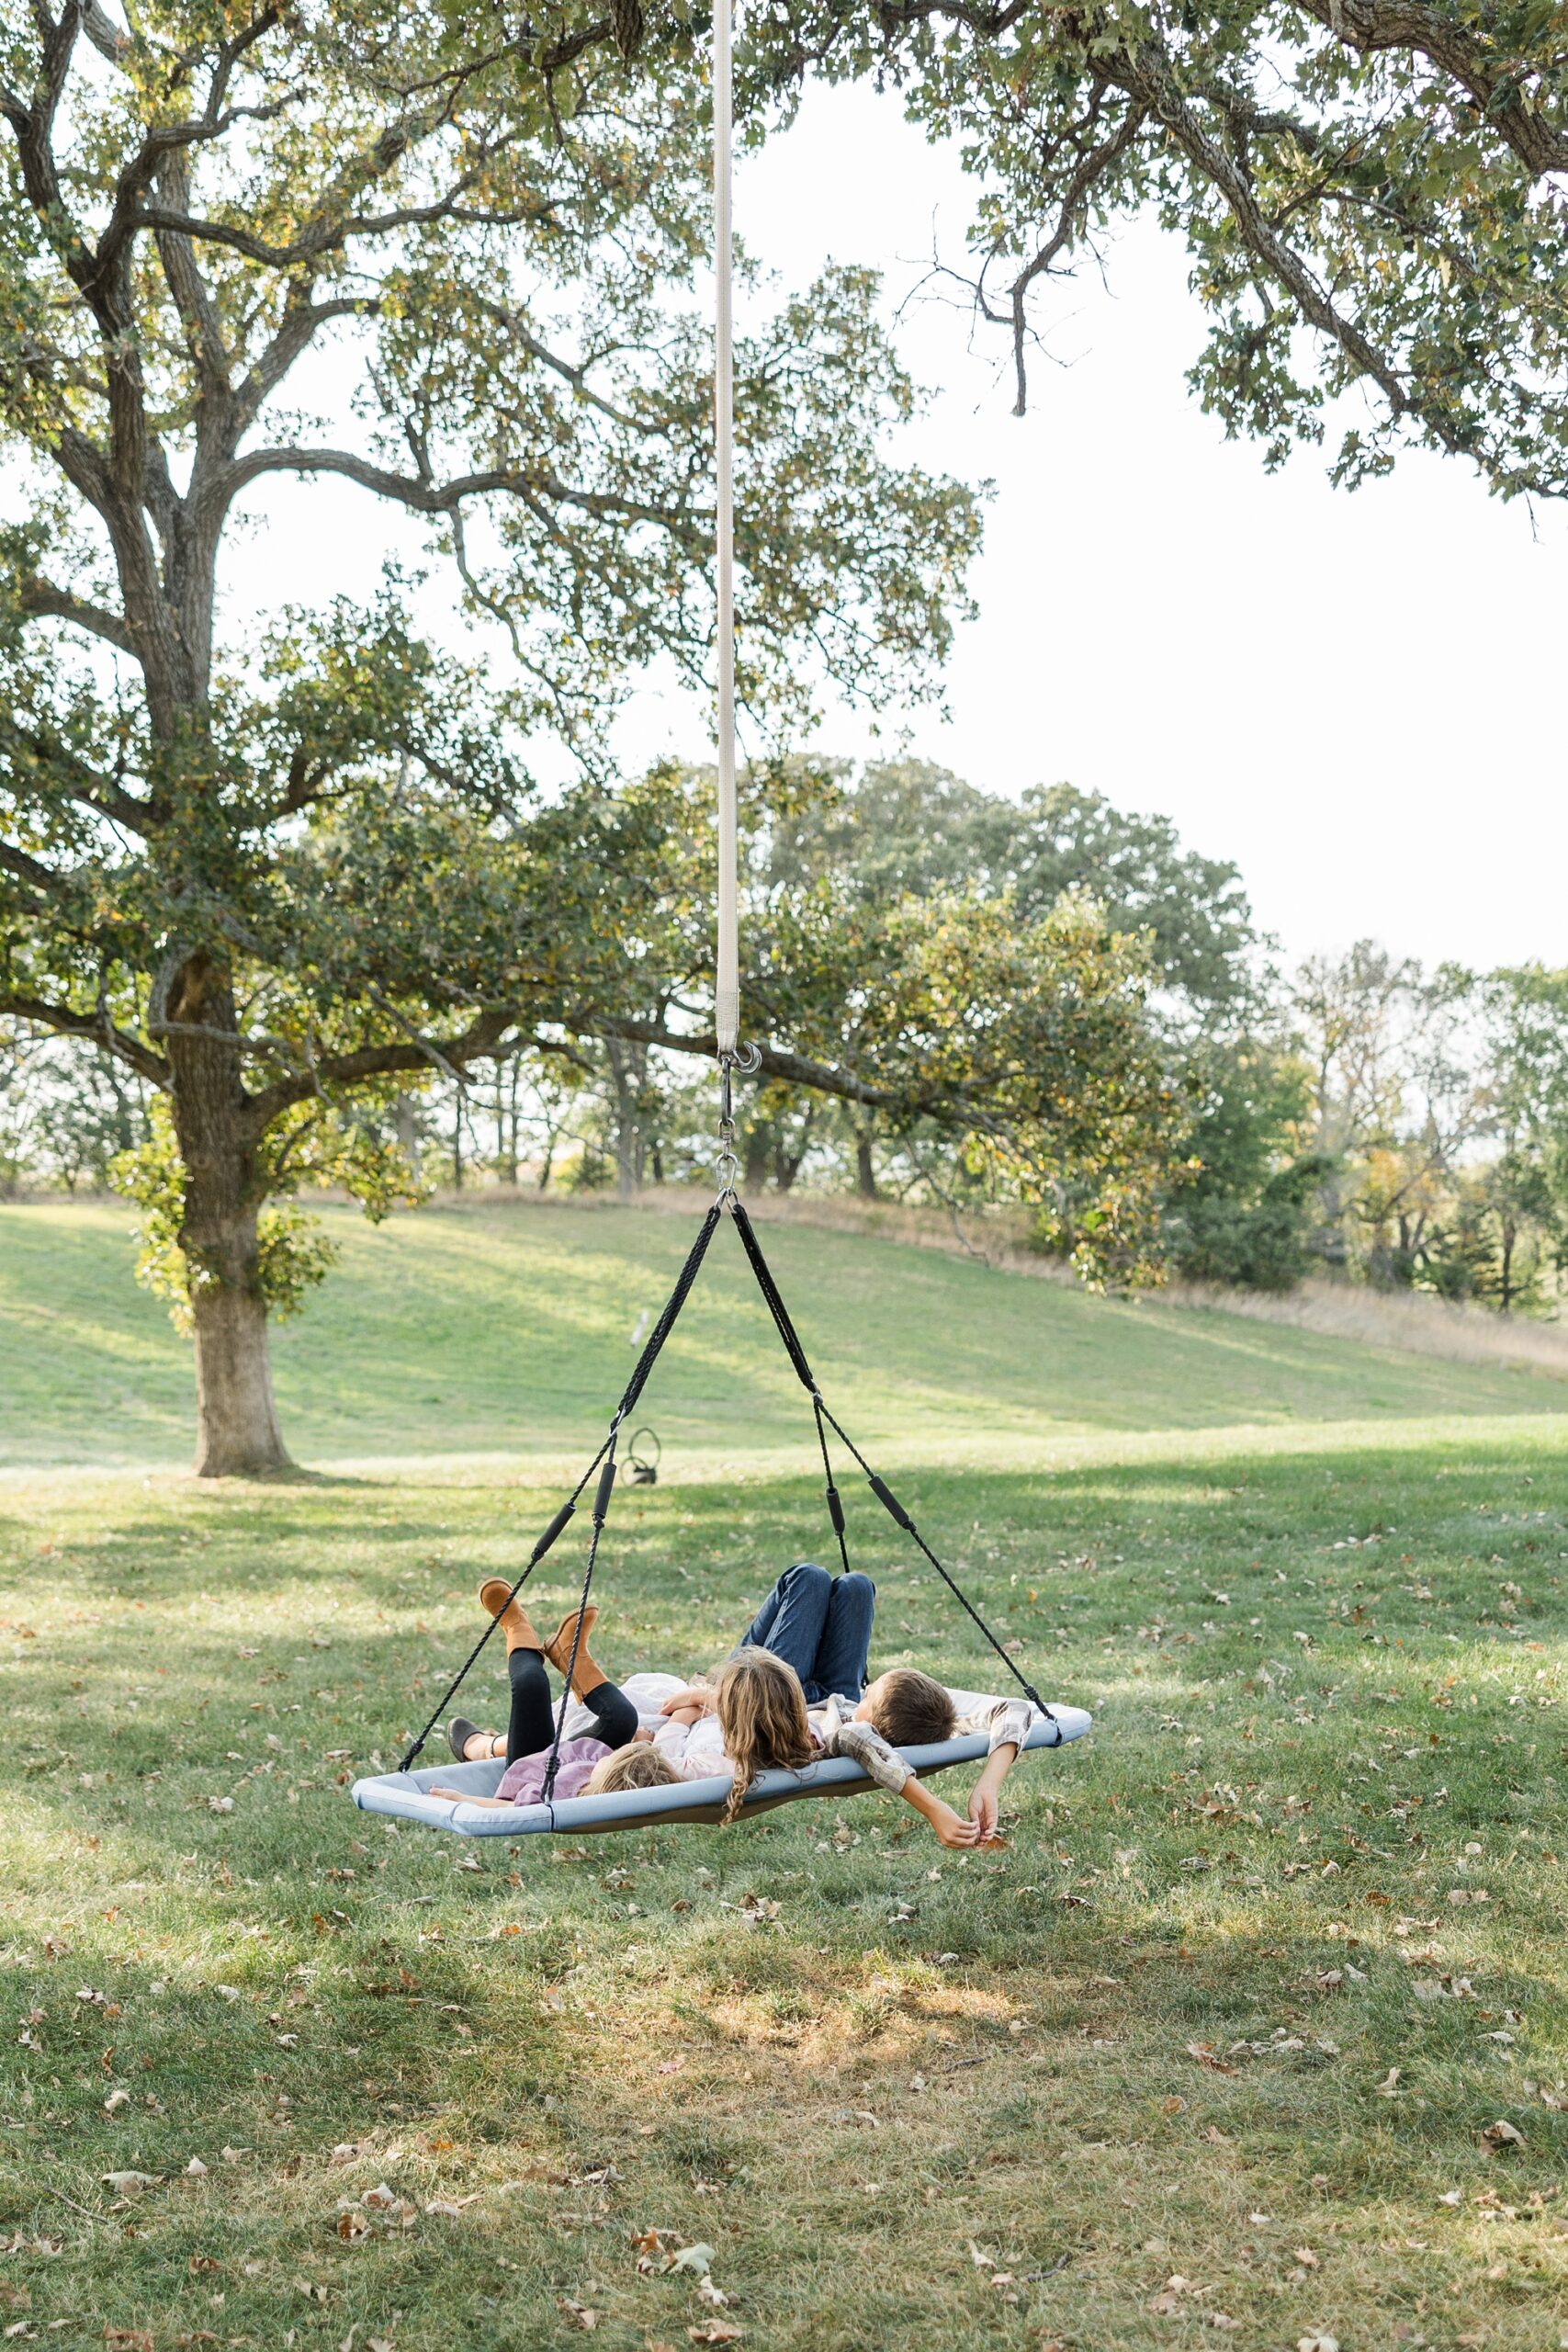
(515, 1622)
(586, 1674)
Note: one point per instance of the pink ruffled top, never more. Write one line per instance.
(523, 1782)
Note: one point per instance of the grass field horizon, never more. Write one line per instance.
(494, 1330)
(1226, 2047)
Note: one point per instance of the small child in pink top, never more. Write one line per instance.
(622, 1756)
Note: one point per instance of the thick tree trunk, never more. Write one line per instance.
(237, 1431)
(238, 1434)
(629, 1140)
(405, 1124)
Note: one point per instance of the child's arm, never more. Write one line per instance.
(882, 1763)
(950, 1828)
(461, 1796)
(688, 1706)
(986, 1789)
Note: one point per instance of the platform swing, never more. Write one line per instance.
(405, 1792)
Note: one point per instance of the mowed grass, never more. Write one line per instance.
(508, 1329)
(1207, 2056)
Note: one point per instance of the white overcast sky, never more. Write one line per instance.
(1359, 699)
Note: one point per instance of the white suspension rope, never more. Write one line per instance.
(726, 998)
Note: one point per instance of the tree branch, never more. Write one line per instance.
(416, 1052)
(1146, 75)
(100, 1033)
(42, 598)
(1442, 37)
(798, 1069)
(441, 498)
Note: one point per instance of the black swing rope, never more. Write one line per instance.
(878, 1486)
(604, 1463)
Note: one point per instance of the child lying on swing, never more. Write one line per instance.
(800, 1675)
(757, 1715)
(616, 1755)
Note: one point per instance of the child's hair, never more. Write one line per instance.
(910, 1710)
(762, 1716)
(638, 1767)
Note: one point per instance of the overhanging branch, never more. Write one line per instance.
(96, 1032)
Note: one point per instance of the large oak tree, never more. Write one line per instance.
(275, 869)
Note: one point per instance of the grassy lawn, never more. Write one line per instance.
(1206, 2057)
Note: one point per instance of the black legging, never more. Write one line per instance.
(533, 1726)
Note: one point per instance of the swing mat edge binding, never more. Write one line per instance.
(696, 1803)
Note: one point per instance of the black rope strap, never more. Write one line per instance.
(835, 1501)
(770, 1290)
(601, 1512)
(895, 1512)
(878, 1486)
(634, 1388)
(784, 1326)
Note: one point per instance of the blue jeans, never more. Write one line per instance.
(820, 1625)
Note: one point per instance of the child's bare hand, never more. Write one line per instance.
(680, 1701)
(952, 1829)
(983, 1810)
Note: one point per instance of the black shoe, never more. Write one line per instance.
(459, 1731)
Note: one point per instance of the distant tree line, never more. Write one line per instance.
(1361, 1117)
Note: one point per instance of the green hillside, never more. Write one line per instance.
(508, 1328)
(1223, 2046)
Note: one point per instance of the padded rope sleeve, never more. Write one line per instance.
(672, 1308)
(601, 1510)
(835, 1501)
(770, 1290)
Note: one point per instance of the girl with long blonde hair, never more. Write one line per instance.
(753, 1718)
(760, 1709)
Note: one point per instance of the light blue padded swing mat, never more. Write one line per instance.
(405, 1794)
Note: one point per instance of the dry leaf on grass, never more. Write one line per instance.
(130, 2184)
(1500, 2135)
(1205, 2054)
(586, 2319)
(717, 2331)
(1315, 2340)
(1389, 2086)
(128, 2339)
